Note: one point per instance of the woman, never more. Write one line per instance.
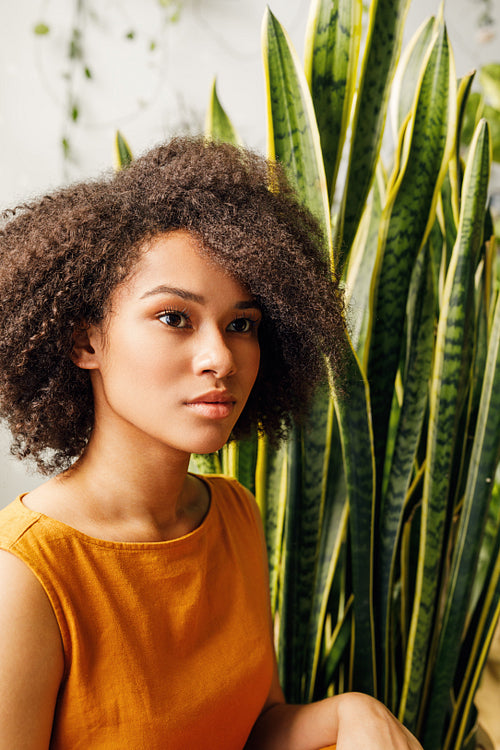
(144, 317)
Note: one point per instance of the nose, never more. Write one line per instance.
(213, 355)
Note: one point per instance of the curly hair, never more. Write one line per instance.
(62, 256)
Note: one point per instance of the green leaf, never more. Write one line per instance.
(333, 539)
(359, 273)
(406, 79)
(486, 554)
(308, 457)
(482, 466)
(331, 58)
(217, 124)
(292, 130)
(382, 48)
(41, 29)
(476, 656)
(352, 406)
(271, 495)
(417, 371)
(75, 45)
(493, 117)
(406, 222)
(339, 641)
(289, 662)
(463, 100)
(66, 147)
(445, 388)
(239, 460)
(474, 108)
(208, 463)
(123, 153)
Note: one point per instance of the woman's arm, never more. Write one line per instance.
(351, 720)
(31, 658)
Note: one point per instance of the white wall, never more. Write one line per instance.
(149, 95)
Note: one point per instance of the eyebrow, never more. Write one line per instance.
(192, 297)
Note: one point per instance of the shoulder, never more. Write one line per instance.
(26, 610)
(236, 502)
(15, 519)
(31, 657)
(229, 490)
(225, 485)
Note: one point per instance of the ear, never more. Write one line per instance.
(83, 353)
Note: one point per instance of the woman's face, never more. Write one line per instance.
(178, 355)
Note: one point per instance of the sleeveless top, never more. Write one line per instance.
(167, 645)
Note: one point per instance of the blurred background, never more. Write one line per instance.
(72, 72)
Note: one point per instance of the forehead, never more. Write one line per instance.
(177, 260)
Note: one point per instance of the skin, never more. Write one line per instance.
(171, 369)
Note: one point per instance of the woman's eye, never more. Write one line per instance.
(242, 325)
(175, 319)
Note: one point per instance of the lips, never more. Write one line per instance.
(213, 405)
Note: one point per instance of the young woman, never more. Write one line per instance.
(143, 317)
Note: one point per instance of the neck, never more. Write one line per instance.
(146, 487)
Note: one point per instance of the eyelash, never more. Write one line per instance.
(181, 313)
(252, 323)
(184, 314)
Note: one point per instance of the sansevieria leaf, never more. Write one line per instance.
(218, 126)
(447, 374)
(382, 48)
(408, 74)
(331, 57)
(405, 224)
(294, 140)
(482, 465)
(271, 495)
(123, 154)
(411, 416)
(293, 137)
(352, 407)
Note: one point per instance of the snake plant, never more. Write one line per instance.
(381, 513)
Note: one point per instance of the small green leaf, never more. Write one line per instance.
(152, 45)
(65, 147)
(87, 72)
(41, 29)
(75, 45)
(75, 113)
(493, 116)
(130, 34)
(123, 154)
(218, 126)
(471, 117)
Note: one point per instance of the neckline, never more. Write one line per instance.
(200, 530)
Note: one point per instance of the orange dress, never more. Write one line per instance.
(166, 644)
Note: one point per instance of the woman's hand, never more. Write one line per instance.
(351, 721)
(364, 722)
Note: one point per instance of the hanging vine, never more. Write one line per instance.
(76, 67)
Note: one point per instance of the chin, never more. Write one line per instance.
(205, 449)
(209, 444)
